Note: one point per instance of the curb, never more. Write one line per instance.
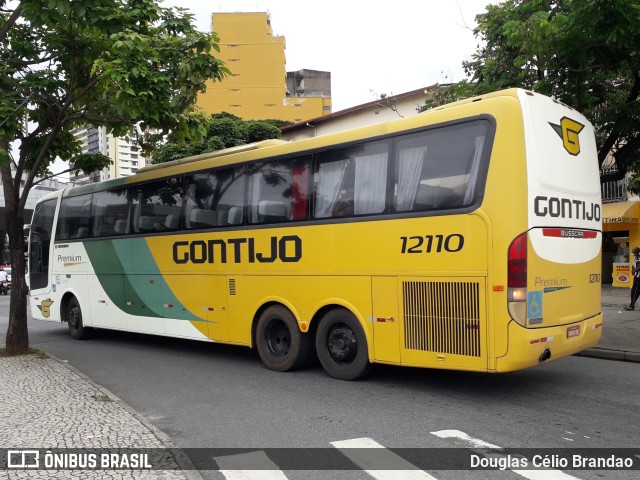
(610, 354)
(188, 469)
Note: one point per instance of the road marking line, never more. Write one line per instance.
(476, 443)
(529, 474)
(402, 469)
(249, 466)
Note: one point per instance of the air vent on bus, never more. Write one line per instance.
(232, 286)
(442, 317)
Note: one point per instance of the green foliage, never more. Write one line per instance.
(131, 66)
(224, 130)
(172, 152)
(87, 163)
(256, 131)
(277, 123)
(583, 53)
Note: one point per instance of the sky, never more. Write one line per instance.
(370, 47)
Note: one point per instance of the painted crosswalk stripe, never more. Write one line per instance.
(249, 466)
(529, 474)
(355, 450)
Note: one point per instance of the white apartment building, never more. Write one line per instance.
(125, 156)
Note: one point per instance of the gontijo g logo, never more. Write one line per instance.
(568, 131)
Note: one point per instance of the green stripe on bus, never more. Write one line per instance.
(130, 276)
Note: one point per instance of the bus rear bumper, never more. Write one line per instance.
(532, 346)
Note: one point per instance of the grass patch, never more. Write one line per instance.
(32, 351)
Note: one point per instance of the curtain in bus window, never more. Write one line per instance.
(255, 187)
(330, 175)
(370, 184)
(299, 189)
(410, 162)
(473, 174)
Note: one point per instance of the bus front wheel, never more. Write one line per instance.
(73, 316)
(342, 346)
(280, 343)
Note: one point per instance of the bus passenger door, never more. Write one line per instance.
(385, 318)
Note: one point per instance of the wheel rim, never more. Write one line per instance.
(342, 344)
(278, 338)
(74, 317)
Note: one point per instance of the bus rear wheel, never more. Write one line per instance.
(342, 346)
(73, 317)
(280, 343)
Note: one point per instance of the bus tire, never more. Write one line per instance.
(281, 345)
(73, 317)
(342, 346)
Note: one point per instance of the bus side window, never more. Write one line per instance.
(278, 191)
(351, 181)
(214, 198)
(110, 213)
(73, 219)
(157, 206)
(438, 169)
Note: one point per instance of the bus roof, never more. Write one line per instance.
(256, 151)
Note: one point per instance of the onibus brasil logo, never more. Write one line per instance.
(568, 131)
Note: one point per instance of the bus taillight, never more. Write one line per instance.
(517, 262)
(517, 278)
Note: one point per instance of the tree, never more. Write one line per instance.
(584, 54)
(224, 130)
(129, 65)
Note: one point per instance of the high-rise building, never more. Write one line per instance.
(125, 156)
(259, 87)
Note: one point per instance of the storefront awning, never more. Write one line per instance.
(621, 212)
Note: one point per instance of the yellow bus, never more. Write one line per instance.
(466, 237)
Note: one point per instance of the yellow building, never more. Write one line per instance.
(257, 87)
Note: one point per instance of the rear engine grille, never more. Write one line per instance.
(442, 317)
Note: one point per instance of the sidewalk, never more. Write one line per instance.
(46, 403)
(621, 329)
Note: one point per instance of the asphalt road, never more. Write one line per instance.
(208, 395)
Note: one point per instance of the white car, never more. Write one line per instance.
(5, 286)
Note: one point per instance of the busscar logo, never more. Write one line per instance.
(569, 131)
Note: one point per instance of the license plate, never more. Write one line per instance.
(573, 331)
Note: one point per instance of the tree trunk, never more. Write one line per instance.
(17, 333)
